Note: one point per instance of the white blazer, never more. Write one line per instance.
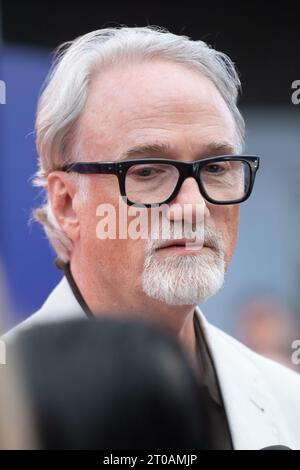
(261, 397)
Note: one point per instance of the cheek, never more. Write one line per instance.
(121, 262)
(226, 221)
(106, 215)
(232, 222)
(99, 204)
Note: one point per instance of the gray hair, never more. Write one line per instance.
(65, 94)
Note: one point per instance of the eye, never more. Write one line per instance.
(215, 168)
(145, 172)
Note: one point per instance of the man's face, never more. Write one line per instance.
(179, 114)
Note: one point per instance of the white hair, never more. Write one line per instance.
(185, 280)
(66, 90)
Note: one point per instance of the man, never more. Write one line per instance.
(142, 116)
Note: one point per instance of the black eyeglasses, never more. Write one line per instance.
(227, 179)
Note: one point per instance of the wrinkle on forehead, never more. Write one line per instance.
(152, 100)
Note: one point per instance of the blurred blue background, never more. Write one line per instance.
(27, 258)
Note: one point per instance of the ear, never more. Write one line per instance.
(62, 191)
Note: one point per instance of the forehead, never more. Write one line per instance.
(154, 102)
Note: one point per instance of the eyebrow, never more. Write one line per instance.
(211, 149)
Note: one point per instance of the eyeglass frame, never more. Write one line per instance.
(185, 169)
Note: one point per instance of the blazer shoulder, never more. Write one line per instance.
(32, 320)
(61, 304)
(281, 379)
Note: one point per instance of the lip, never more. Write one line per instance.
(182, 245)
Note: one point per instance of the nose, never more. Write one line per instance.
(189, 204)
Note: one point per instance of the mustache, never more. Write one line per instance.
(200, 234)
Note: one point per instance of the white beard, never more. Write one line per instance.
(186, 279)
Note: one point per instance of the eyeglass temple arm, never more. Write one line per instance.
(85, 168)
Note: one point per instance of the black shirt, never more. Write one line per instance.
(219, 424)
